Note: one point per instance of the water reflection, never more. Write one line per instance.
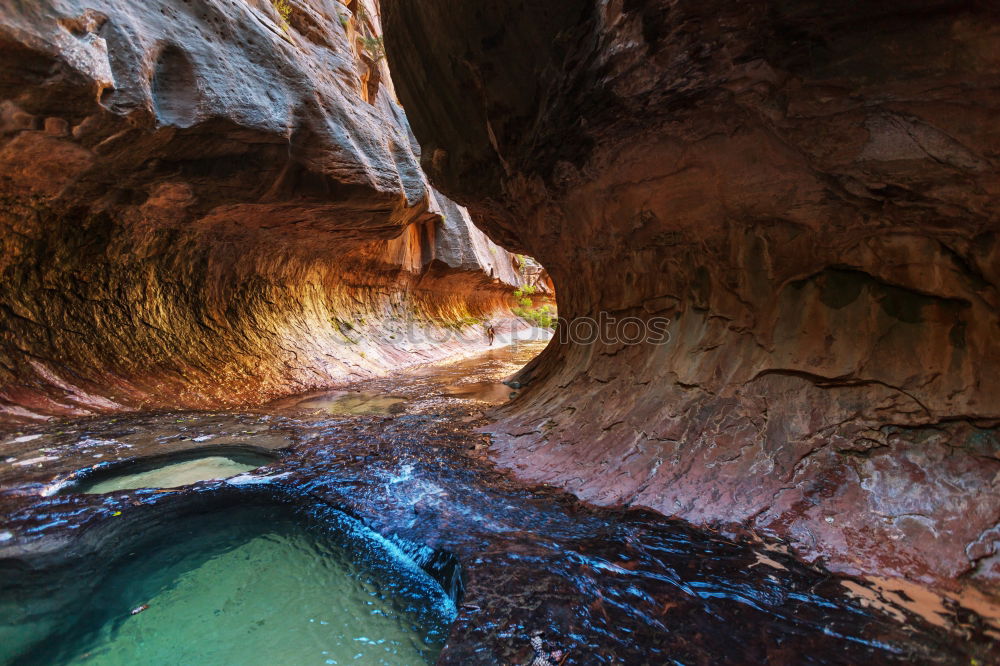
(546, 577)
(251, 584)
(352, 403)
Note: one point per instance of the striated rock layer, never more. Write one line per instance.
(216, 202)
(808, 191)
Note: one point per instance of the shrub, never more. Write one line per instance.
(542, 317)
(523, 295)
(284, 11)
(374, 47)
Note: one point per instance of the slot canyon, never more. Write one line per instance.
(270, 331)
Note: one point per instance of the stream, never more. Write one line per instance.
(467, 565)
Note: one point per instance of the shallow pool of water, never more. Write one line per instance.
(493, 392)
(173, 475)
(596, 586)
(250, 585)
(353, 403)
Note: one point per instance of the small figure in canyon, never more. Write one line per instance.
(491, 333)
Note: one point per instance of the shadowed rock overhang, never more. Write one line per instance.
(808, 191)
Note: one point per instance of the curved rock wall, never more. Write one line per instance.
(212, 203)
(808, 191)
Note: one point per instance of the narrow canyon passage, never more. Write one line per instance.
(569, 332)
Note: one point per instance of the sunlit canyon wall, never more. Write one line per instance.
(214, 203)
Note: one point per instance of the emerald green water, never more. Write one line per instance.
(246, 586)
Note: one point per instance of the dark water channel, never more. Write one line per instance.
(533, 574)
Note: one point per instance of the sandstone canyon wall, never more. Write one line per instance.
(212, 203)
(809, 191)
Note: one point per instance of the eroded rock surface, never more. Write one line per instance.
(540, 576)
(808, 191)
(216, 203)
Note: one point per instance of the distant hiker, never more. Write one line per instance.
(490, 333)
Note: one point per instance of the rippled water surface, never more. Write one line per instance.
(356, 403)
(543, 578)
(246, 586)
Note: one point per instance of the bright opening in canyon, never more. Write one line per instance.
(280, 341)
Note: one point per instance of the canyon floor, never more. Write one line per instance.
(535, 573)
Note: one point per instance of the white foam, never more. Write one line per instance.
(32, 461)
(252, 479)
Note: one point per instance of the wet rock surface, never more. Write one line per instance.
(540, 574)
(808, 192)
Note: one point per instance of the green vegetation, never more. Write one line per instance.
(523, 295)
(374, 47)
(284, 11)
(542, 317)
(465, 322)
(344, 328)
(371, 42)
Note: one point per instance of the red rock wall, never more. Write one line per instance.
(207, 204)
(808, 191)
